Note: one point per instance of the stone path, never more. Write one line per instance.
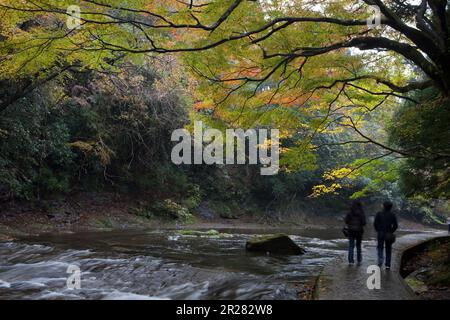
(339, 281)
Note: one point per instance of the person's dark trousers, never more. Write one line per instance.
(355, 238)
(382, 243)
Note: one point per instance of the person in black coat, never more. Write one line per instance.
(355, 221)
(385, 224)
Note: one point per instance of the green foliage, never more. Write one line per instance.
(143, 212)
(376, 178)
(224, 209)
(166, 209)
(170, 209)
(96, 131)
(425, 210)
(106, 122)
(35, 157)
(193, 196)
(422, 129)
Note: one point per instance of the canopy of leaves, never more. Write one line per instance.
(312, 69)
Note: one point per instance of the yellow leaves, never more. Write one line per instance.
(338, 174)
(332, 176)
(268, 143)
(83, 146)
(322, 189)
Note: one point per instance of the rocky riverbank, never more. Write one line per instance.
(426, 269)
(103, 211)
(91, 212)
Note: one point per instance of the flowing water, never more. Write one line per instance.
(160, 264)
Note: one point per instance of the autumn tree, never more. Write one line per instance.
(307, 67)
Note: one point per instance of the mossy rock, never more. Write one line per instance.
(274, 244)
(416, 285)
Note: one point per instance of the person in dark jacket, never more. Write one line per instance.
(355, 221)
(385, 224)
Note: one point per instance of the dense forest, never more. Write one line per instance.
(89, 98)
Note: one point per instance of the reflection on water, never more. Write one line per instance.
(160, 265)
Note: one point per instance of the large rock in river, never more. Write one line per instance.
(274, 244)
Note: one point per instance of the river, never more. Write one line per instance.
(161, 264)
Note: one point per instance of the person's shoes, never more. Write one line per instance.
(359, 263)
(351, 263)
(380, 265)
(388, 268)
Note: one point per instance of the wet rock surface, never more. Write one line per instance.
(274, 244)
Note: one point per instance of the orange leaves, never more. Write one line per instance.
(287, 98)
(240, 72)
(204, 105)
